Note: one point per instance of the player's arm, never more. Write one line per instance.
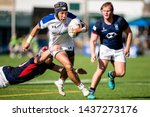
(32, 34)
(84, 27)
(81, 29)
(93, 42)
(59, 69)
(128, 41)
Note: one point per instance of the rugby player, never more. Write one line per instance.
(110, 29)
(61, 45)
(30, 69)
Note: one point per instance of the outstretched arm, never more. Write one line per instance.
(34, 31)
(60, 69)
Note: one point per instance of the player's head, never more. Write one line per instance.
(107, 9)
(107, 4)
(61, 10)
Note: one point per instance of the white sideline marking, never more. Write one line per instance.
(103, 80)
(67, 81)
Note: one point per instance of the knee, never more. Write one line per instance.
(120, 73)
(68, 67)
(101, 69)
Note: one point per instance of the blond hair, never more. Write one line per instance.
(107, 4)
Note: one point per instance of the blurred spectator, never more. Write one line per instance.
(33, 50)
(15, 47)
(138, 44)
(144, 38)
(142, 42)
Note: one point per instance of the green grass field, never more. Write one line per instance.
(135, 85)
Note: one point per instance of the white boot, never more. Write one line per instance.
(60, 85)
(84, 90)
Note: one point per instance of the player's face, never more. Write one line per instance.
(62, 15)
(107, 12)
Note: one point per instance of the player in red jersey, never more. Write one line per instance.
(14, 75)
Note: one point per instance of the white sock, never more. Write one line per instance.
(61, 81)
(81, 86)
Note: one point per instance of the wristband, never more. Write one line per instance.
(29, 39)
(83, 29)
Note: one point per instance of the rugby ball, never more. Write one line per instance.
(74, 24)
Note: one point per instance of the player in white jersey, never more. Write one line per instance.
(61, 45)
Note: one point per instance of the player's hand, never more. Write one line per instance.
(126, 52)
(81, 71)
(26, 46)
(76, 30)
(93, 58)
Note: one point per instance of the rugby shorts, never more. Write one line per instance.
(111, 54)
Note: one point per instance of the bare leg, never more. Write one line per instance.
(120, 69)
(97, 75)
(63, 59)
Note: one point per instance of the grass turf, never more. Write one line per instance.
(134, 85)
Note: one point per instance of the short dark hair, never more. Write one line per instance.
(107, 4)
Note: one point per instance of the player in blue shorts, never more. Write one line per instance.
(109, 29)
(14, 75)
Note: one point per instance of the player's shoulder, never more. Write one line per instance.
(48, 18)
(71, 15)
(118, 18)
(99, 22)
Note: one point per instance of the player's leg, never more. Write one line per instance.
(63, 58)
(120, 69)
(104, 55)
(102, 64)
(63, 76)
(3, 81)
(60, 82)
(119, 64)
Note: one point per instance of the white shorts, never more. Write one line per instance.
(111, 54)
(54, 52)
(3, 81)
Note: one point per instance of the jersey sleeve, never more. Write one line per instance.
(46, 20)
(72, 16)
(124, 23)
(95, 28)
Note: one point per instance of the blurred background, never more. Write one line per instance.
(18, 17)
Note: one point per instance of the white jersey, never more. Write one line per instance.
(58, 30)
